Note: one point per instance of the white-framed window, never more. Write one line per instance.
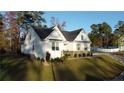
(55, 46)
(86, 48)
(78, 46)
(33, 48)
(82, 37)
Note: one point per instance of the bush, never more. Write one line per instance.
(79, 55)
(42, 60)
(83, 54)
(18, 51)
(57, 60)
(2, 51)
(38, 58)
(48, 56)
(75, 55)
(88, 54)
(64, 58)
(91, 53)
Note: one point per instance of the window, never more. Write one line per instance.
(55, 46)
(29, 37)
(33, 47)
(82, 37)
(78, 46)
(85, 48)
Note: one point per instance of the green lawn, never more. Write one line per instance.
(120, 53)
(93, 68)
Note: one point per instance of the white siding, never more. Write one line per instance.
(121, 48)
(39, 49)
(55, 36)
(83, 42)
(54, 53)
(85, 37)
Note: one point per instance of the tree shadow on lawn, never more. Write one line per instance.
(91, 72)
(13, 70)
(96, 70)
(35, 70)
(114, 65)
(62, 73)
(16, 69)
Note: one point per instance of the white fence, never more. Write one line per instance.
(121, 48)
(106, 50)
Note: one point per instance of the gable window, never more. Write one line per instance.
(55, 46)
(82, 37)
(78, 46)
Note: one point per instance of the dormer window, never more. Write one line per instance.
(82, 37)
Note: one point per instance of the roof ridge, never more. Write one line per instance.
(74, 30)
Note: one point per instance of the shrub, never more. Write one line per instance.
(52, 60)
(48, 56)
(75, 55)
(83, 54)
(91, 53)
(18, 51)
(64, 58)
(2, 51)
(88, 54)
(57, 60)
(79, 55)
(38, 58)
(42, 60)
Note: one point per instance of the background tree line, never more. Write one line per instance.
(12, 23)
(101, 35)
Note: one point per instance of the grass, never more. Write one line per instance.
(22, 68)
(119, 53)
(97, 68)
(91, 68)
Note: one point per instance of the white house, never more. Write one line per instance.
(121, 43)
(38, 41)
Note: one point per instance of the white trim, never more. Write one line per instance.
(57, 29)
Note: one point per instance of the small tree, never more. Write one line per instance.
(48, 56)
(56, 22)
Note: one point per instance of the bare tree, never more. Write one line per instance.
(56, 22)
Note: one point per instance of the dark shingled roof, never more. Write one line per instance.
(44, 32)
(70, 36)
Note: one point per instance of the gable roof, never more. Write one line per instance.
(70, 36)
(44, 32)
